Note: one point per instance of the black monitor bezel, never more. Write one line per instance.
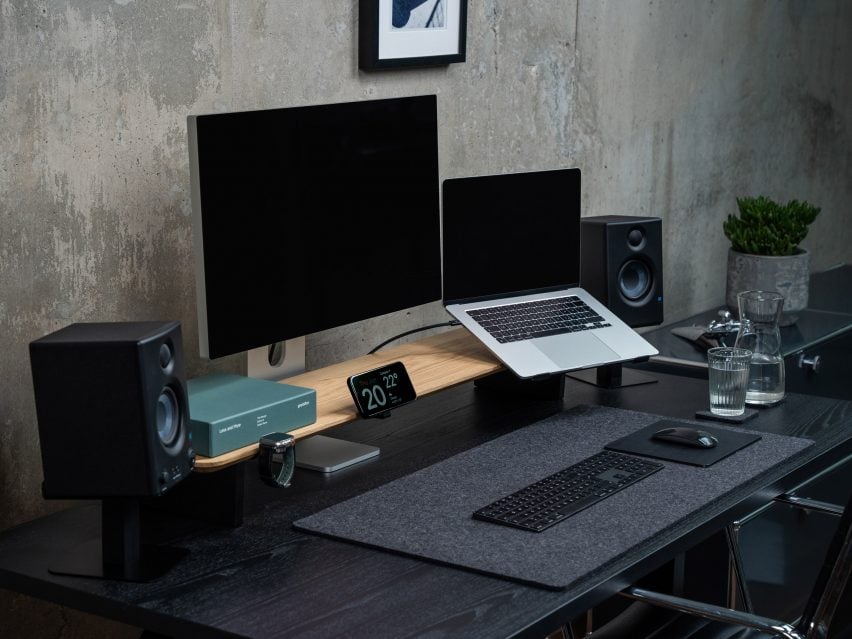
(214, 341)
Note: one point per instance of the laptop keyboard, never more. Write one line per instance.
(538, 318)
(564, 493)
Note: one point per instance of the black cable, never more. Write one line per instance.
(415, 330)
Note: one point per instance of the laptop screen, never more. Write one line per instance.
(510, 233)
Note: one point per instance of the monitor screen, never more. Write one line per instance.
(307, 218)
(511, 232)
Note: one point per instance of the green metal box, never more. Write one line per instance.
(230, 411)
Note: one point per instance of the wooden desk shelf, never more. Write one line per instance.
(433, 363)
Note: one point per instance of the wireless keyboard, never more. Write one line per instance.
(564, 493)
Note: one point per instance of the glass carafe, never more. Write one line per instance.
(759, 332)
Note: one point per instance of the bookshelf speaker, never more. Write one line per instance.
(111, 403)
(621, 264)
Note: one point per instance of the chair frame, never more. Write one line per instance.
(822, 604)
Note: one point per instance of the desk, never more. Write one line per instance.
(264, 579)
(823, 330)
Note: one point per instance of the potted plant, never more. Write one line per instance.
(765, 252)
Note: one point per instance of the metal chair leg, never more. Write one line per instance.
(738, 591)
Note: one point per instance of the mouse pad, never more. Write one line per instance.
(641, 443)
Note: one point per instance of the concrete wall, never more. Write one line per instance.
(670, 108)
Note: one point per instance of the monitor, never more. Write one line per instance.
(312, 217)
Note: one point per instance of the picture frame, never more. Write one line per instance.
(411, 33)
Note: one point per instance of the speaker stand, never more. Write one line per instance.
(215, 498)
(119, 553)
(612, 376)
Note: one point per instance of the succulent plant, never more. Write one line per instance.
(766, 227)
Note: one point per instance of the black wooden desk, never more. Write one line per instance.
(264, 579)
(822, 334)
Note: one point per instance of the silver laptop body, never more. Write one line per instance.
(500, 233)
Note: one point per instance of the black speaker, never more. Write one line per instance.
(622, 265)
(112, 409)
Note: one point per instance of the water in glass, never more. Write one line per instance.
(760, 333)
(728, 371)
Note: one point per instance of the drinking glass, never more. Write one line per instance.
(728, 369)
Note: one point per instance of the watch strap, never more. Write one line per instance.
(276, 467)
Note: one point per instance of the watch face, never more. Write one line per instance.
(275, 440)
(378, 391)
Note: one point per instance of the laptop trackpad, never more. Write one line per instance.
(581, 351)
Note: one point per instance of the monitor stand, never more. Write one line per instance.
(277, 361)
(281, 360)
(329, 454)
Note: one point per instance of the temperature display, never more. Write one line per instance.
(378, 391)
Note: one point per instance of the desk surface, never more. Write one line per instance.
(829, 313)
(265, 579)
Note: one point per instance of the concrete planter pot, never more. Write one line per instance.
(787, 274)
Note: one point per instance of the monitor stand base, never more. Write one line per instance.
(328, 454)
(279, 361)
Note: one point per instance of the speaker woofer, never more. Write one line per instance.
(635, 280)
(168, 417)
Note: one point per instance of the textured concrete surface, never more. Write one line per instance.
(670, 109)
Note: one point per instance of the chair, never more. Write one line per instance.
(659, 616)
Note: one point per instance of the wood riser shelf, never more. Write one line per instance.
(433, 363)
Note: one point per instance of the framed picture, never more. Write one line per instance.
(409, 33)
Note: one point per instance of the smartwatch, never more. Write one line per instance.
(277, 459)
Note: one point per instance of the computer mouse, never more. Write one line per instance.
(686, 436)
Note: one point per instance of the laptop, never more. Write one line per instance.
(511, 245)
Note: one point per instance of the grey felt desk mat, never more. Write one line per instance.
(428, 514)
